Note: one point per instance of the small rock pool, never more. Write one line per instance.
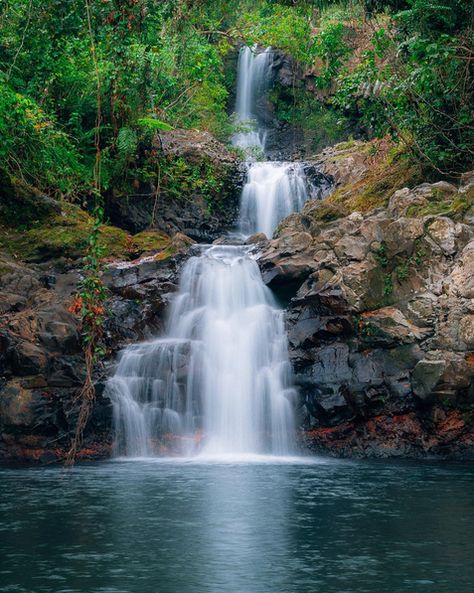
(259, 525)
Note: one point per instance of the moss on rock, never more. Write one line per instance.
(65, 234)
(389, 169)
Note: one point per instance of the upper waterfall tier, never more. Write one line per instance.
(253, 80)
(222, 368)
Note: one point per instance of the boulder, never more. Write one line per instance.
(400, 236)
(57, 330)
(28, 359)
(443, 232)
(389, 327)
(426, 375)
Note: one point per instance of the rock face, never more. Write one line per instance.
(41, 357)
(381, 325)
(41, 365)
(380, 318)
(201, 211)
(346, 162)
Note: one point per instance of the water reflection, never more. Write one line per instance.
(181, 527)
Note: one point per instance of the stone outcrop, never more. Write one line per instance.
(41, 357)
(346, 162)
(202, 209)
(381, 322)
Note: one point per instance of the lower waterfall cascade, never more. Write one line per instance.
(221, 369)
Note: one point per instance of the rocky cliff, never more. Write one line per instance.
(378, 284)
(194, 188)
(41, 358)
(380, 314)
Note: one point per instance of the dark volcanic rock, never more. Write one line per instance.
(141, 291)
(380, 326)
(41, 360)
(200, 212)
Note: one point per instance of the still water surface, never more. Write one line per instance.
(238, 527)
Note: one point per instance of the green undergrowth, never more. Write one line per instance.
(320, 124)
(183, 180)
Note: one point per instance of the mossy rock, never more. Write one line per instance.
(65, 234)
(325, 211)
(386, 176)
(150, 241)
(22, 206)
(454, 206)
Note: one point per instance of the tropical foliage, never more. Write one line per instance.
(402, 67)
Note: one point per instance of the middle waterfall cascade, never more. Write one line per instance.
(222, 368)
(271, 193)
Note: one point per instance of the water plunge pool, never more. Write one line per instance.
(251, 525)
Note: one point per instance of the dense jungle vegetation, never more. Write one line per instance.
(82, 77)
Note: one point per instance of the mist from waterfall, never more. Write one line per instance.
(222, 370)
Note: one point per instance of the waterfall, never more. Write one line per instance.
(222, 369)
(272, 191)
(219, 381)
(253, 79)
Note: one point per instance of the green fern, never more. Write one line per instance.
(127, 143)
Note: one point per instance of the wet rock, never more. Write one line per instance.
(256, 238)
(401, 435)
(15, 405)
(426, 376)
(28, 359)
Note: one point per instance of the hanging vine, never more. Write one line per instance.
(90, 299)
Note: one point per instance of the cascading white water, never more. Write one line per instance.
(219, 381)
(222, 368)
(253, 79)
(272, 191)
